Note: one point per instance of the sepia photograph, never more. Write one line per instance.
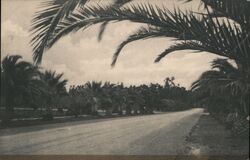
(125, 79)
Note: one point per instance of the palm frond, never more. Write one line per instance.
(54, 81)
(142, 33)
(189, 45)
(209, 80)
(118, 4)
(46, 21)
(223, 65)
(219, 37)
(226, 79)
(86, 17)
(11, 60)
(237, 10)
(102, 29)
(181, 46)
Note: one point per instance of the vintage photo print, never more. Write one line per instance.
(125, 79)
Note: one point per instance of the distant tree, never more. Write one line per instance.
(79, 100)
(55, 87)
(95, 91)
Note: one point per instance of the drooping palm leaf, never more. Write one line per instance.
(225, 76)
(189, 45)
(45, 22)
(224, 38)
(142, 33)
(118, 4)
(226, 82)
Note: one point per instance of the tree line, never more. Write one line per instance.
(24, 85)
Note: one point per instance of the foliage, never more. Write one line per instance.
(30, 90)
(225, 82)
(205, 32)
(137, 99)
(18, 81)
(55, 88)
(24, 85)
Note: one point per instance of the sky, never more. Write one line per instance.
(82, 58)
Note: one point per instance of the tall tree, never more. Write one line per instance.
(55, 88)
(224, 81)
(19, 79)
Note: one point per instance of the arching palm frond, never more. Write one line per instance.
(88, 16)
(221, 37)
(142, 33)
(118, 4)
(237, 10)
(211, 82)
(46, 21)
(189, 45)
(227, 83)
(210, 35)
(225, 77)
(224, 66)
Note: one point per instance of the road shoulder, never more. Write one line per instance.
(209, 137)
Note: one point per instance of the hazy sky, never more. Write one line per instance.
(82, 58)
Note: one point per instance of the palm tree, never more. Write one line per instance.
(120, 96)
(54, 82)
(55, 87)
(225, 81)
(94, 89)
(19, 79)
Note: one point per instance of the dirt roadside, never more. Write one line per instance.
(209, 137)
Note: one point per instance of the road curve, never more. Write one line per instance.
(159, 134)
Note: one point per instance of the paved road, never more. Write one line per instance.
(160, 134)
